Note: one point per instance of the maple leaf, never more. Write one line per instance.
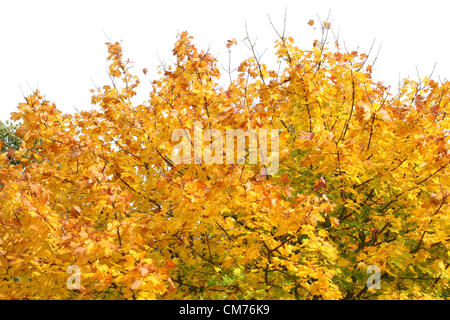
(231, 42)
(320, 184)
(75, 212)
(170, 264)
(363, 112)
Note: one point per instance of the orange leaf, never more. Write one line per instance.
(285, 178)
(231, 42)
(170, 264)
(75, 212)
(321, 183)
(199, 184)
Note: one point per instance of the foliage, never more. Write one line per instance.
(8, 139)
(363, 180)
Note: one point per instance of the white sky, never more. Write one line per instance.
(58, 46)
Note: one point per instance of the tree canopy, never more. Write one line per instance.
(363, 180)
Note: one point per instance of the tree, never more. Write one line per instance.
(363, 180)
(8, 139)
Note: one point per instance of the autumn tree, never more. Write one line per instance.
(363, 180)
(8, 139)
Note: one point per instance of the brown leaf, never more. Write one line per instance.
(231, 42)
(321, 183)
(75, 212)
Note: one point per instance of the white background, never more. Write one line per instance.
(58, 46)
